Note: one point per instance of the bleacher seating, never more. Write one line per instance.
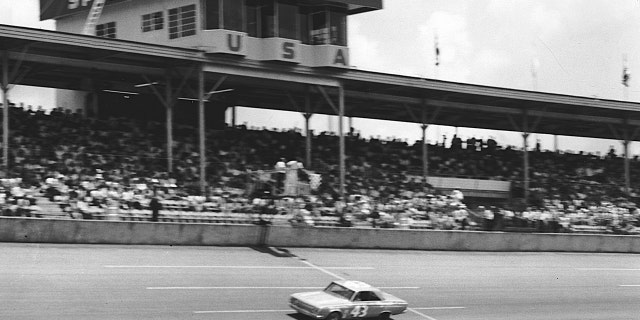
(103, 162)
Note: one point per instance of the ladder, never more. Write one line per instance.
(92, 19)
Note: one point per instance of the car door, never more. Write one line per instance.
(365, 304)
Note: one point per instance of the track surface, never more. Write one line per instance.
(42, 281)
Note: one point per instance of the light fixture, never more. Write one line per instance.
(220, 91)
(191, 99)
(122, 92)
(141, 85)
(208, 94)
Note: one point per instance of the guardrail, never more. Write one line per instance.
(319, 221)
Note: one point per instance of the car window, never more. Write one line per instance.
(339, 290)
(366, 296)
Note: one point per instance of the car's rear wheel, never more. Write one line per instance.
(334, 316)
(384, 316)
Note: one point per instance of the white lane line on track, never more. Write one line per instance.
(236, 267)
(421, 314)
(322, 270)
(629, 285)
(242, 311)
(290, 310)
(606, 269)
(439, 308)
(245, 288)
(232, 288)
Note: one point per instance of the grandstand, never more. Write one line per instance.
(141, 115)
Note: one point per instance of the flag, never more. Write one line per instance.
(437, 51)
(626, 76)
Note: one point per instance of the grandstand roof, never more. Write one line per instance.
(54, 9)
(63, 60)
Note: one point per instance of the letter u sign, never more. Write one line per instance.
(234, 45)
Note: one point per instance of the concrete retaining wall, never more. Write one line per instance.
(117, 232)
(450, 240)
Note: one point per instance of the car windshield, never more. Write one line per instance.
(339, 290)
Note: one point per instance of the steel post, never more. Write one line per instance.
(627, 171)
(425, 155)
(201, 129)
(5, 112)
(169, 110)
(342, 142)
(307, 117)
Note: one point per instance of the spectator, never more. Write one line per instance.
(155, 207)
(281, 171)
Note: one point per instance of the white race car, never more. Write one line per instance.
(347, 300)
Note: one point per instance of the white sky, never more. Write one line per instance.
(577, 46)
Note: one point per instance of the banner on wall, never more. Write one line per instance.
(52, 9)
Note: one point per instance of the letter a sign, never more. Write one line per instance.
(340, 58)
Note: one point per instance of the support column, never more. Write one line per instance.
(94, 106)
(340, 111)
(5, 112)
(627, 171)
(425, 155)
(201, 129)
(425, 146)
(233, 116)
(342, 142)
(307, 117)
(169, 110)
(525, 138)
(626, 138)
(91, 100)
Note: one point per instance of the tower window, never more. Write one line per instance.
(338, 27)
(224, 14)
(106, 30)
(152, 21)
(319, 29)
(182, 21)
(267, 20)
(253, 18)
(212, 14)
(232, 15)
(287, 20)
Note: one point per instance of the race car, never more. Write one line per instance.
(347, 300)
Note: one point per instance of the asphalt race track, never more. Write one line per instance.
(46, 281)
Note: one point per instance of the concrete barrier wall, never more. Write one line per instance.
(117, 232)
(450, 240)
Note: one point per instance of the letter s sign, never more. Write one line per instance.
(288, 49)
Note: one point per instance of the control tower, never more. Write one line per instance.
(310, 33)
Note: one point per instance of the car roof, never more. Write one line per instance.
(356, 285)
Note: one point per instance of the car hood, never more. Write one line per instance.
(393, 299)
(319, 299)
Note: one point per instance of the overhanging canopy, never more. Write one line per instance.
(62, 60)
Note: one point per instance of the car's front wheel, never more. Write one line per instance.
(384, 316)
(334, 316)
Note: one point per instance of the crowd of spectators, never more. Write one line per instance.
(89, 162)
